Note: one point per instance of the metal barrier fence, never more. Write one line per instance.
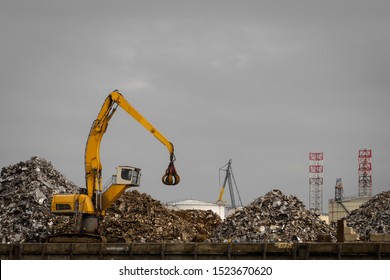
(196, 251)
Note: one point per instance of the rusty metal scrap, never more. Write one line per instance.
(138, 217)
(26, 189)
(274, 217)
(204, 221)
(372, 217)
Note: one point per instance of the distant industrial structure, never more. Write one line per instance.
(316, 182)
(341, 206)
(220, 207)
(338, 190)
(339, 209)
(365, 172)
(226, 172)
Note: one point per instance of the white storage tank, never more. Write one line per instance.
(191, 204)
(341, 209)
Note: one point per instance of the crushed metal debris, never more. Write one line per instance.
(26, 189)
(138, 217)
(372, 217)
(274, 217)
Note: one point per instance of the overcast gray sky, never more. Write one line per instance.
(261, 82)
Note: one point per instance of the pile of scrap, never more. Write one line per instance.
(372, 217)
(204, 221)
(137, 217)
(274, 217)
(26, 189)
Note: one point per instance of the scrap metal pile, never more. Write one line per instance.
(26, 189)
(138, 217)
(205, 222)
(371, 217)
(25, 194)
(274, 217)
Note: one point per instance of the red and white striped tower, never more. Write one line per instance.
(365, 172)
(316, 182)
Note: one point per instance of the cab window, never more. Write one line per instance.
(126, 174)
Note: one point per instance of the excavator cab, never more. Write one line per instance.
(127, 175)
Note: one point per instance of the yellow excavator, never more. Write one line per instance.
(93, 203)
